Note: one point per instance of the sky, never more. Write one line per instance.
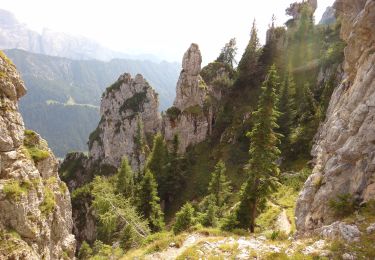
(164, 28)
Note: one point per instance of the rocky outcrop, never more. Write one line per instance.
(295, 9)
(126, 106)
(35, 210)
(345, 145)
(192, 114)
(329, 16)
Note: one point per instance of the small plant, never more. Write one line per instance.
(343, 205)
(49, 202)
(15, 189)
(173, 113)
(184, 218)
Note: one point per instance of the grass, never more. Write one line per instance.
(33, 149)
(193, 110)
(14, 189)
(365, 248)
(49, 202)
(155, 243)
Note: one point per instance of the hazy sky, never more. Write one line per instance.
(164, 28)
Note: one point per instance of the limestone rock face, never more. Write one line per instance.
(345, 144)
(126, 103)
(35, 209)
(192, 115)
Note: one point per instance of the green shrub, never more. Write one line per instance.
(49, 202)
(184, 218)
(37, 154)
(14, 189)
(343, 205)
(135, 102)
(85, 252)
(194, 110)
(173, 113)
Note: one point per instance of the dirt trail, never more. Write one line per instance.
(173, 252)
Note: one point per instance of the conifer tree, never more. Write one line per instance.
(148, 201)
(125, 179)
(140, 145)
(184, 218)
(228, 53)
(262, 169)
(248, 63)
(158, 163)
(219, 187)
(307, 105)
(286, 107)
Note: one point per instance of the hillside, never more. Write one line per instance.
(268, 158)
(64, 94)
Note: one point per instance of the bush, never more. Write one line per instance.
(85, 252)
(173, 113)
(343, 205)
(49, 202)
(184, 218)
(14, 189)
(230, 223)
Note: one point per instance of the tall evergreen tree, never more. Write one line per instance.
(286, 107)
(228, 53)
(307, 104)
(248, 63)
(219, 188)
(148, 201)
(125, 179)
(140, 145)
(158, 163)
(262, 168)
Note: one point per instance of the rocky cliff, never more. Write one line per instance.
(129, 107)
(345, 144)
(35, 210)
(192, 114)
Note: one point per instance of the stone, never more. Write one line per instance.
(370, 229)
(340, 230)
(348, 256)
(194, 119)
(44, 229)
(123, 104)
(344, 145)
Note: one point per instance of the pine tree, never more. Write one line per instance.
(248, 64)
(140, 146)
(286, 107)
(219, 187)
(148, 201)
(228, 53)
(184, 218)
(174, 180)
(125, 179)
(262, 168)
(307, 105)
(158, 163)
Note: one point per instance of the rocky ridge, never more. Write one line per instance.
(125, 106)
(345, 144)
(35, 208)
(192, 114)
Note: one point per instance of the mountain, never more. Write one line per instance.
(36, 212)
(328, 16)
(64, 94)
(15, 35)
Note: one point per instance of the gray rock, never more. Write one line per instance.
(123, 104)
(340, 230)
(34, 202)
(370, 229)
(345, 143)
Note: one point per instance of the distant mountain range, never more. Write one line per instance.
(14, 34)
(63, 97)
